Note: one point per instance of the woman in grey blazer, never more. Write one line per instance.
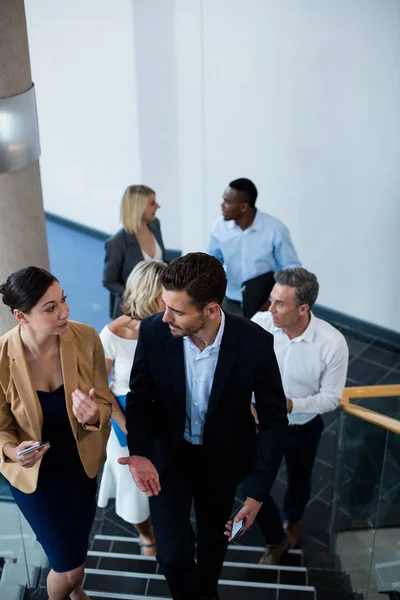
(139, 239)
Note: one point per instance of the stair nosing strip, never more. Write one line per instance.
(228, 563)
(261, 549)
(121, 596)
(105, 554)
(232, 582)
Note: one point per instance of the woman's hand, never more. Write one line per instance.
(25, 460)
(85, 407)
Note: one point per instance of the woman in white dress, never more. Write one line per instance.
(142, 298)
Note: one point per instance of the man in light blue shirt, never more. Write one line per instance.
(248, 242)
(199, 371)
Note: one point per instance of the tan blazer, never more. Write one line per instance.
(21, 417)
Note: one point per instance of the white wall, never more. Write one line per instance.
(303, 96)
(154, 40)
(83, 66)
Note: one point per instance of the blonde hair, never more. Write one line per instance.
(142, 289)
(133, 205)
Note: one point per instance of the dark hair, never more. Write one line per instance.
(24, 288)
(246, 187)
(200, 275)
(305, 283)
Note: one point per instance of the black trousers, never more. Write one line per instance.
(301, 447)
(186, 481)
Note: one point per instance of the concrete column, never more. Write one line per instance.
(23, 238)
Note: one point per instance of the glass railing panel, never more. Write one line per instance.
(360, 459)
(21, 557)
(385, 574)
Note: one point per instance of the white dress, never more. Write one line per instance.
(131, 504)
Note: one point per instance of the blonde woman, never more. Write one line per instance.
(139, 239)
(142, 298)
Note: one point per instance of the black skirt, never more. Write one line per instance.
(62, 509)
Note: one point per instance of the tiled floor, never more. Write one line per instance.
(77, 261)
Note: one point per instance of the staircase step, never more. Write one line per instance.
(114, 582)
(232, 569)
(115, 561)
(117, 571)
(252, 554)
(235, 552)
(109, 596)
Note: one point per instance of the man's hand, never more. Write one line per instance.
(254, 413)
(85, 407)
(248, 514)
(144, 474)
(289, 405)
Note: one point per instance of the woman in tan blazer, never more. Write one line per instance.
(53, 390)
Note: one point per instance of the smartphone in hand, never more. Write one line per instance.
(237, 528)
(32, 449)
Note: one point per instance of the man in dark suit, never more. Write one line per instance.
(191, 435)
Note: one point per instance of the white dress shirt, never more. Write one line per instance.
(199, 372)
(313, 366)
(245, 253)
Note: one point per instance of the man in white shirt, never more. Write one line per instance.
(248, 242)
(313, 359)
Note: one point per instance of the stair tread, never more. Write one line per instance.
(107, 572)
(135, 540)
(235, 553)
(144, 576)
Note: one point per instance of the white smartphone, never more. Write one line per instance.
(32, 449)
(237, 528)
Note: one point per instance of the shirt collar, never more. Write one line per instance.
(255, 226)
(308, 333)
(220, 332)
(218, 338)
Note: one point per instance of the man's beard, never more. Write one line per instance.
(184, 332)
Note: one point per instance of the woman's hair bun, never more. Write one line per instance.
(24, 288)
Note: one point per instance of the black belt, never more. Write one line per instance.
(295, 427)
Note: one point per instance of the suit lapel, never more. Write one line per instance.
(174, 348)
(227, 354)
(27, 394)
(69, 367)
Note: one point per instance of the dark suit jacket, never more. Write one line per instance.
(156, 404)
(122, 254)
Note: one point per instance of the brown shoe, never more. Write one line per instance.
(293, 532)
(273, 554)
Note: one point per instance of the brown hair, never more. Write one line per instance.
(200, 275)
